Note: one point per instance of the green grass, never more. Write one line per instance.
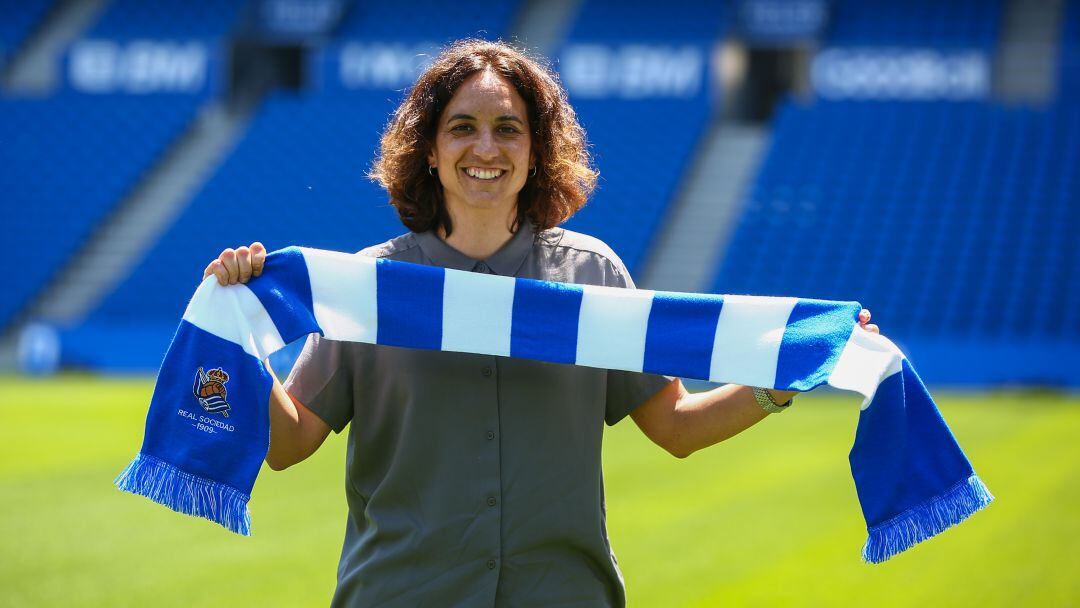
(768, 518)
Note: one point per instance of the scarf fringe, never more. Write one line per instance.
(185, 493)
(926, 520)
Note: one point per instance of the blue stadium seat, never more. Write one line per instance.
(641, 145)
(167, 19)
(951, 221)
(643, 150)
(20, 17)
(916, 23)
(298, 177)
(67, 161)
(426, 21)
(630, 21)
(1069, 61)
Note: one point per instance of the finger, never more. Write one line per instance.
(243, 263)
(864, 316)
(228, 259)
(219, 272)
(209, 270)
(874, 329)
(258, 258)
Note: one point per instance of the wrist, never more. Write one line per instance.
(772, 401)
(783, 398)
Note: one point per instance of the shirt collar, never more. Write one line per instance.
(506, 261)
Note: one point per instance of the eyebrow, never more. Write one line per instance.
(503, 118)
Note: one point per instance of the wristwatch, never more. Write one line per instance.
(767, 403)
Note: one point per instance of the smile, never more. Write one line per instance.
(485, 174)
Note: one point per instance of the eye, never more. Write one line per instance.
(510, 129)
(461, 128)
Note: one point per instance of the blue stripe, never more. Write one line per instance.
(816, 333)
(285, 292)
(174, 437)
(410, 300)
(680, 335)
(891, 459)
(545, 321)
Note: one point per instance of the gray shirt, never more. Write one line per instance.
(475, 480)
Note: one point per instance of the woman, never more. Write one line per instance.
(476, 479)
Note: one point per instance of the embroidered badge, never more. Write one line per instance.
(209, 389)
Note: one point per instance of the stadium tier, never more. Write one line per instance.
(630, 21)
(298, 177)
(643, 151)
(916, 23)
(18, 18)
(1069, 59)
(426, 20)
(952, 222)
(166, 19)
(637, 76)
(67, 161)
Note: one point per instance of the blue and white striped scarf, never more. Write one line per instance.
(207, 429)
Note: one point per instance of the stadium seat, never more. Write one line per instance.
(20, 17)
(67, 161)
(950, 221)
(956, 24)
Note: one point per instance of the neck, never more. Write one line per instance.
(479, 236)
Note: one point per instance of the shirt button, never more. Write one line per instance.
(491, 501)
(490, 435)
(491, 564)
(487, 371)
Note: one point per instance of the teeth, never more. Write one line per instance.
(483, 173)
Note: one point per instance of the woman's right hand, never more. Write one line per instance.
(237, 265)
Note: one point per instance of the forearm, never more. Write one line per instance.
(683, 422)
(295, 433)
(713, 416)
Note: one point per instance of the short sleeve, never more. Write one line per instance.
(627, 390)
(322, 381)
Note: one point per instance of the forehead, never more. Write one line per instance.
(486, 93)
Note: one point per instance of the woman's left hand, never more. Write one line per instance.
(864, 322)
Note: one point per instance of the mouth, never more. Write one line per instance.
(484, 175)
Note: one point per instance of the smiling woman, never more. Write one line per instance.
(493, 113)
(476, 479)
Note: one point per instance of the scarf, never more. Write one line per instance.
(207, 429)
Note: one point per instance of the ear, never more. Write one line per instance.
(432, 160)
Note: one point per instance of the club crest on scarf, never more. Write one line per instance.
(209, 389)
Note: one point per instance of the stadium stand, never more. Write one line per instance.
(20, 17)
(167, 19)
(426, 21)
(951, 221)
(632, 21)
(916, 23)
(1069, 62)
(297, 177)
(643, 139)
(67, 161)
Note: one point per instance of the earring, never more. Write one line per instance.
(533, 172)
(431, 171)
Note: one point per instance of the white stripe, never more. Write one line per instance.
(343, 291)
(612, 327)
(867, 360)
(477, 313)
(747, 342)
(235, 314)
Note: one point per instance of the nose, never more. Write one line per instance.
(486, 148)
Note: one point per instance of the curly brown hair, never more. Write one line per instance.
(564, 173)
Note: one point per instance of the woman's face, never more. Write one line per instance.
(483, 147)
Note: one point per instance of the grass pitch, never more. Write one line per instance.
(767, 518)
